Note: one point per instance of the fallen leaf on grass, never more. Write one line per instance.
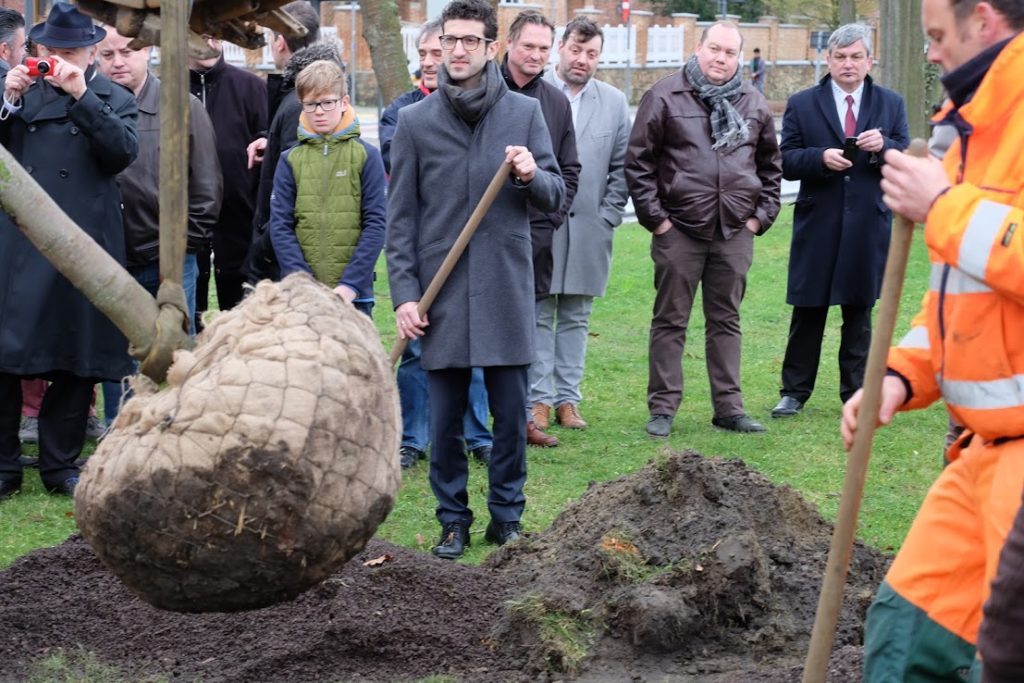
(378, 561)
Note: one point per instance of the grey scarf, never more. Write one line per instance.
(471, 105)
(728, 128)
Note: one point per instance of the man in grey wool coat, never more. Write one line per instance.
(445, 150)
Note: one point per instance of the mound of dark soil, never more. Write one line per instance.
(690, 562)
(693, 569)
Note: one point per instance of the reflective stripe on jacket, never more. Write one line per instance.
(967, 344)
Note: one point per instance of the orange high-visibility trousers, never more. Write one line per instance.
(923, 624)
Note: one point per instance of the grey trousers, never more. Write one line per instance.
(720, 267)
(560, 341)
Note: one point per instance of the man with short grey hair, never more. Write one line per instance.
(833, 137)
(12, 39)
(713, 135)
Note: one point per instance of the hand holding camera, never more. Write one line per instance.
(40, 67)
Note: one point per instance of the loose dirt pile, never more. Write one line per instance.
(693, 569)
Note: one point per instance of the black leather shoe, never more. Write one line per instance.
(483, 454)
(26, 461)
(409, 456)
(454, 541)
(65, 488)
(659, 426)
(787, 407)
(8, 487)
(503, 532)
(739, 423)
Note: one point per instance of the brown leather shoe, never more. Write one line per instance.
(568, 415)
(541, 415)
(536, 437)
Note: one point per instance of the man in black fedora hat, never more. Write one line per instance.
(73, 130)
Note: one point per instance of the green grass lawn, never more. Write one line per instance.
(805, 452)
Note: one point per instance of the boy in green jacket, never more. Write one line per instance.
(328, 207)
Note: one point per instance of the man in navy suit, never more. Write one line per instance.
(833, 138)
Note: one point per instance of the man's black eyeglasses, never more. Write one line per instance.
(469, 42)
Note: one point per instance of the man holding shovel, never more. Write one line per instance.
(445, 150)
(965, 346)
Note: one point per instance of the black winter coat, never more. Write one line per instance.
(558, 117)
(74, 150)
(841, 226)
(236, 101)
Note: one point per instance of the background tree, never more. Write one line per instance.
(382, 31)
(903, 65)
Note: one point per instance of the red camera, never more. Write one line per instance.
(40, 67)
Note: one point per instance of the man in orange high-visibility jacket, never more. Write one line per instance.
(967, 346)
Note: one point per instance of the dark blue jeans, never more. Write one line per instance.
(412, 391)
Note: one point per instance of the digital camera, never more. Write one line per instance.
(40, 67)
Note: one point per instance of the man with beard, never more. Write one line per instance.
(530, 38)
(582, 247)
(713, 135)
(484, 315)
(412, 380)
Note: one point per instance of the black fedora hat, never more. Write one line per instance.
(66, 27)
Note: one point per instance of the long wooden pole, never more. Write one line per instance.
(441, 276)
(76, 255)
(830, 600)
(174, 137)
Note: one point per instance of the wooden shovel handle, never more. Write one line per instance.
(831, 599)
(441, 276)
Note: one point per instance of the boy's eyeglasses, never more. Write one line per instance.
(326, 105)
(469, 42)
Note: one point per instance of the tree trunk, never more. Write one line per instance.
(847, 12)
(903, 59)
(383, 33)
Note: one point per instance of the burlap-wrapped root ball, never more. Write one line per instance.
(266, 463)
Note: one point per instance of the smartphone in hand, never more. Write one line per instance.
(850, 149)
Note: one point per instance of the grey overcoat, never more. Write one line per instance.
(583, 246)
(484, 315)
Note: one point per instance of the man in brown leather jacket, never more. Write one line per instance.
(704, 170)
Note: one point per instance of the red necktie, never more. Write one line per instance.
(851, 120)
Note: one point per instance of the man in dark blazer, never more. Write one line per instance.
(73, 131)
(530, 38)
(840, 225)
(484, 315)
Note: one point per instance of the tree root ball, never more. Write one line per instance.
(268, 461)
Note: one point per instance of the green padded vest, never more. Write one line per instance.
(328, 195)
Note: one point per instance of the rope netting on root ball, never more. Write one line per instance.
(267, 461)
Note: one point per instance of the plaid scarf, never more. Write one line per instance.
(728, 128)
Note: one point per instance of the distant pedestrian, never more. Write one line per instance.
(758, 69)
